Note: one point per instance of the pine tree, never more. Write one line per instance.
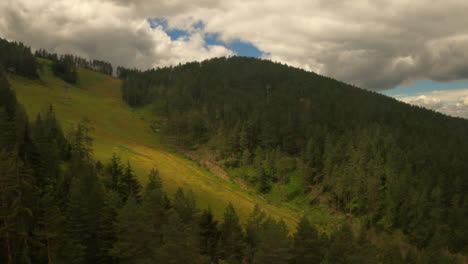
(391, 254)
(154, 206)
(84, 218)
(135, 243)
(128, 184)
(108, 225)
(19, 192)
(365, 252)
(81, 142)
(275, 245)
(113, 173)
(17, 198)
(209, 235)
(51, 229)
(411, 257)
(252, 231)
(185, 206)
(341, 247)
(308, 247)
(231, 241)
(181, 242)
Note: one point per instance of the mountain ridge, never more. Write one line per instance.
(301, 140)
(284, 130)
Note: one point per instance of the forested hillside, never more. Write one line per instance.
(278, 128)
(60, 205)
(293, 135)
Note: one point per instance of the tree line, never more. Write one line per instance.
(392, 165)
(59, 205)
(17, 58)
(94, 65)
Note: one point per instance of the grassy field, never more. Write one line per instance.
(121, 130)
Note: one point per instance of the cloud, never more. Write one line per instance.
(373, 44)
(429, 102)
(450, 102)
(101, 30)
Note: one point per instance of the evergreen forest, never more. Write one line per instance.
(393, 166)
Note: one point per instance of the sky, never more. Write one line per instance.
(415, 51)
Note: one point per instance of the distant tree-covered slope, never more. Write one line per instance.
(64, 66)
(392, 164)
(17, 58)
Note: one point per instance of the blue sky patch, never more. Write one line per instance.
(154, 22)
(172, 33)
(177, 33)
(240, 48)
(425, 86)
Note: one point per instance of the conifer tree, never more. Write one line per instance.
(275, 245)
(308, 247)
(185, 206)
(231, 241)
(181, 242)
(341, 248)
(19, 192)
(17, 199)
(391, 254)
(113, 173)
(155, 205)
(84, 216)
(129, 185)
(108, 225)
(252, 231)
(135, 243)
(209, 235)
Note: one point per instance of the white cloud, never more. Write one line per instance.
(374, 44)
(464, 100)
(450, 102)
(430, 102)
(102, 30)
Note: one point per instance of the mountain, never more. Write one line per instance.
(335, 172)
(300, 137)
(117, 129)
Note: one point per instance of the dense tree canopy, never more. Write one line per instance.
(65, 68)
(59, 205)
(94, 65)
(392, 164)
(17, 58)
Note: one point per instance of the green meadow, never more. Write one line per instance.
(119, 129)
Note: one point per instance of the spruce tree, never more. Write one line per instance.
(185, 206)
(134, 243)
(181, 242)
(231, 241)
(113, 173)
(84, 218)
(275, 245)
(308, 247)
(154, 206)
(128, 184)
(209, 235)
(341, 248)
(252, 231)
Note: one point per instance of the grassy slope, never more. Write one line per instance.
(118, 129)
